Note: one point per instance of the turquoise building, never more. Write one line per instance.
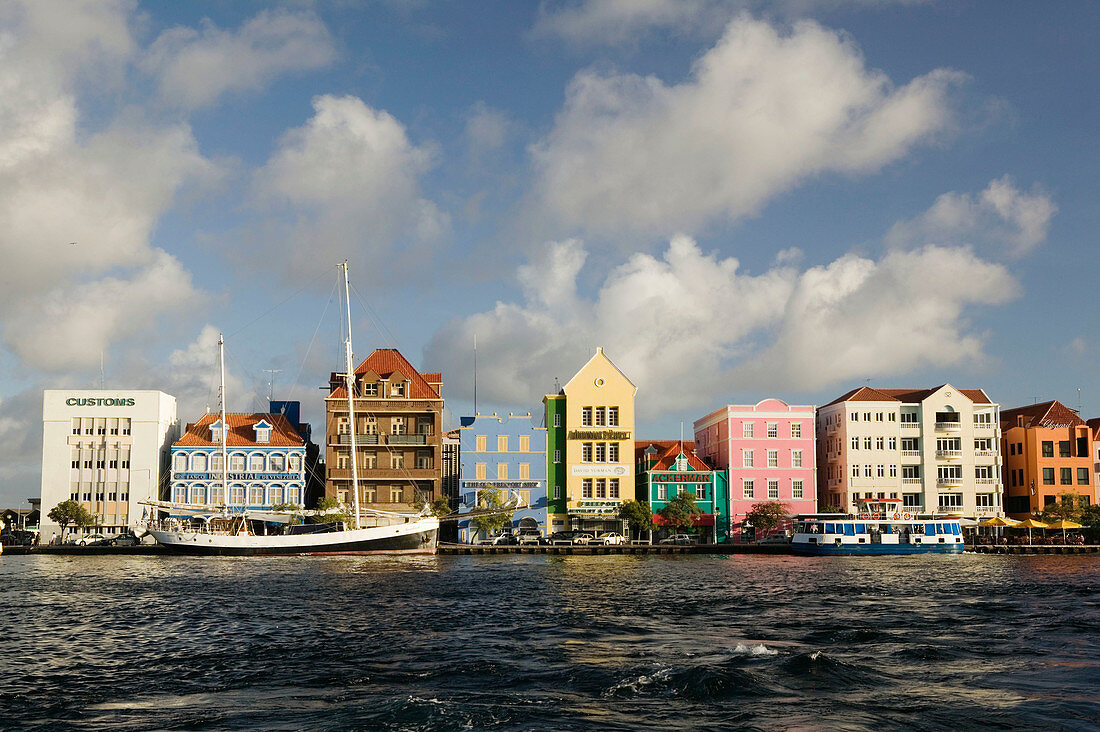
(666, 468)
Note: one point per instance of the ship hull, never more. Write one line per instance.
(806, 549)
(415, 537)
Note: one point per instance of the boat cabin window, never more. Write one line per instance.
(930, 529)
(830, 528)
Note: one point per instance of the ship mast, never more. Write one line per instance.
(225, 426)
(349, 377)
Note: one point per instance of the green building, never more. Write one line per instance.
(666, 468)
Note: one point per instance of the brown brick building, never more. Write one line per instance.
(398, 415)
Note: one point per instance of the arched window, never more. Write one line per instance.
(294, 495)
(278, 463)
(236, 494)
(255, 495)
(181, 462)
(236, 462)
(217, 495)
(179, 493)
(275, 494)
(256, 462)
(295, 462)
(198, 463)
(198, 495)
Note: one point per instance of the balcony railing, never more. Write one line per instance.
(985, 453)
(912, 509)
(407, 440)
(910, 453)
(911, 481)
(948, 426)
(345, 439)
(910, 424)
(948, 454)
(988, 510)
(986, 481)
(949, 481)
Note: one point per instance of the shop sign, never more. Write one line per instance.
(592, 512)
(598, 471)
(681, 477)
(598, 435)
(522, 484)
(99, 402)
(236, 476)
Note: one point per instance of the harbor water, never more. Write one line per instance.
(550, 642)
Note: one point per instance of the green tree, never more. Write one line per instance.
(1070, 508)
(288, 508)
(441, 507)
(767, 515)
(1090, 519)
(333, 511)
(830, 509)
(487, 518)
(70, 512)
(638, 515)
(678, 515)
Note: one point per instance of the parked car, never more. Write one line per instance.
(608, 538)
(89, 539)
(562, 537)
(123, 540)
(501, 540)
(529, 537)
(583, 538)
(678, 539)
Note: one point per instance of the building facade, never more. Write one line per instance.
(590, 430)
(107, 450)
(509, 454)
(1048, 454)
(769, 452)
(398, 434)
(267, 463)
(666, 468)
(936, 451)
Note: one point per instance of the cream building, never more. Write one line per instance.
(590, 447)
(935, 450)
(107, 450)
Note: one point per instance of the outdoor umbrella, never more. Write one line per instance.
(1063, 525)
(999, 521)
(1030, 524)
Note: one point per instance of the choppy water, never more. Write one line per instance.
(539, 642)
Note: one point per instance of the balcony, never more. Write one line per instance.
(985, 453)
(948, 426)
(911, 425)
(988, 510)
(949, 481)
(911, 481)
(910, 453)
(345, 439)
(407, 440)
(912, 509)
(986, 481)
(948, 454)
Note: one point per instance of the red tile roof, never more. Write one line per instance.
(907, 396)
(668, 451)
(241, 432)
(387, 361)
(1044, 414)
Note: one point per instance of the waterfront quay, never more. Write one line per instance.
(583, 550)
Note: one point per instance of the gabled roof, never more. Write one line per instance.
(1045, 414)
(598, 355)
(241, 432)
(387, 361)
(668, 451)
(907, 396)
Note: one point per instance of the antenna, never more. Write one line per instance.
(1078, 400)
(103, 381)
(475, 373)
(271, 383)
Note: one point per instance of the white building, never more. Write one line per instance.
(106, 449)
(936, 450)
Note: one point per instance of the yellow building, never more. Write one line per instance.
(590, 448)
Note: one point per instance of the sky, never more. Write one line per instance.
(735, 199)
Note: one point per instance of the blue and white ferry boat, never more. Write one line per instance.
(877, 529)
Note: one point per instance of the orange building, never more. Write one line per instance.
(1048, 453)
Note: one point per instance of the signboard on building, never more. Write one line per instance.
(237, 476)
(599, 471)
(510, 484)
(699, 477)
(99, 402)
(598, 435)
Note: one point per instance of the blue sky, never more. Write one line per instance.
(736, 199)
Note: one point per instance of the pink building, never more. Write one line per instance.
(769, 452)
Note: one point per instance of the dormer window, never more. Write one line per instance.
(370, 389)
(681, 463)
(216, 431)
(397, 390)
(263, 431)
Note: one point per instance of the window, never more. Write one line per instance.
(908, 417)
(342, 426)
(983, 500)
(557, 422)
(586, 452)
(855, 443)
(125, 422)
(909, 444)
(866, 416)
(397, 426)
(880, 443)
(367, 460)
(181, 463)
(613, 452)
(983, 418)
(502, 471)
(773, 489)
(613, 416)
(773, 429)
(295, 462)
(866, 443)
(586, 488)
(881, 471)
(796, 458)
(255, 463)
(525, 470)
(479, 471)
(1063, 448)
(910, 500)
(586, 416)
(746, 459)
(855, 416)
(557, 493)
(747, 490)
(601, 488)
(255, 495)
(773, 458)
(370, 494)
(613, 488)
(1048, 449)
(893, 471)
(983, 472)
(855, 471)
(397, 390)
(1066, 476)
(481, 443)
(949, 473)
(276, 495)
(216, 463)
(878, 417)
(278, 465)
(746, 429)
(525, 443)
(891, 417)
(179, 494)
(601, 452)
(796, 430)
(502, 443)
(1082, 476)
(1048, 476)
(950, 500)
(397, 493)
(867, 471)
(662, 492)
(601, 416)
(369, 390)
(796, 489)
(557, 456)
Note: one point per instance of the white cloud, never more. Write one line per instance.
(59, 184)
(762, 112)
(487, 129)
(195, 67)
(1001, 218)
(348, 181)
(691, 326)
